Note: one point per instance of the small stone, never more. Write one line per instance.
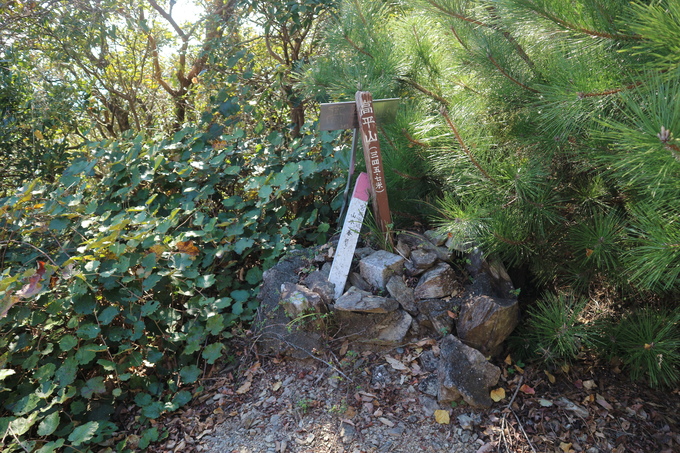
(430, 385)
(403, 294)
(365, 302)
(436, 237)
(423, 259)
(438, 282)
(428, 361)
(378, 267)
(347, 433)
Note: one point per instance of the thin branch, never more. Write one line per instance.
(514, 80)
(356, 47)
(445, 114)
(582, 95)
(573, 27)
(32, 246)
(424, 90)
(413, 140)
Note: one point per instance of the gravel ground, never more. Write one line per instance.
(309, 407)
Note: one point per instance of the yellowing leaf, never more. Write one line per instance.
(589, 384)
(508, 360)
(38, 135)
(442, 417)
(187, 247)
(565, 368)
(551, 378)
(649, 346)
(588, 252)
(277, 385)
(158, 249)
(565, 447)
(498, 394)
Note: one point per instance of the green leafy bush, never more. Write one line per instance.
(123, 278)
(648, 343)
(553, 333)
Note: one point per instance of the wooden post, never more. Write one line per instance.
(373, 158)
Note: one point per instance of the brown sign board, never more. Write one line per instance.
(366, 118)
(343, 115)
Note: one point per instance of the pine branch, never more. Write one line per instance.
(424, 90)
(356, 47)
(582, 95)
(413, 140)
(511, 78)
(569, 26)
(465, 148)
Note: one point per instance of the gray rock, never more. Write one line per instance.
(464, 373)
(428, 361)
(485, 322)
(373, 328)
(381, 376)
(411, 270)
(378, 267)
(365, 302)
(429, 405)
(430, 385)
(440, 281)
(469, 421)
(436, 312)
(356, 280)
(347, 432)
(270, 324)
(423, 259)
(403, 294)
(436, 237)
(318, 282)
(363, 252)
(403, 249)
(298, 300)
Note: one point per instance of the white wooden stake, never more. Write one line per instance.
(350, 234)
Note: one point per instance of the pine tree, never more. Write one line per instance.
(549, 126)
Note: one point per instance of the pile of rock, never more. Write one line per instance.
(392, 299)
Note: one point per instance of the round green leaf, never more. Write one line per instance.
(83, 433)
(49, 424)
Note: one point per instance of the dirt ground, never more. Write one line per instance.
(346, 401)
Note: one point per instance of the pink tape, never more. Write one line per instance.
(361, 188)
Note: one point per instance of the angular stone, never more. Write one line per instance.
(403, 249)
(436, 237)
(373, 328)
(464, 373)
(318, 282)
(423, 259)
(411, 270)
(365, 302)
(429, 385)
(356, 280)
(378, 267)
(484, 322)
(428, 361)
(403, 294)
(363, 252)
(440, 281)
(298, 300)
(437, 313)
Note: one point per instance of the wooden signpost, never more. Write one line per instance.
(362, 115)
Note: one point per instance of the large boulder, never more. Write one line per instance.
(272, 326)
(464, 373)
(484, 322)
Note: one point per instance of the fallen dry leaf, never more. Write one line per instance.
(498, 394)
(508, 360)
(276, 386)
(565, 447)
(602, 402)
(343, 348)
(442, 417)
(396, 364)
(526, 389)
(187, 247)
(545, 403)
(589, 384)
(388, 422)
(551, 378)
(245, 387)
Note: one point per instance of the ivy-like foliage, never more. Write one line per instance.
(124, 277)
